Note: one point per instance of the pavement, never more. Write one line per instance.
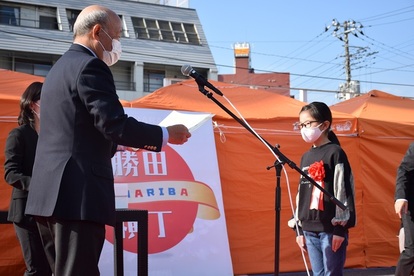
(381, 271)
(388, 271)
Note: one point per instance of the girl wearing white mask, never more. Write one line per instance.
(323, 226)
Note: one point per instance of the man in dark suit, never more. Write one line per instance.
(72, 188)
(404, 207)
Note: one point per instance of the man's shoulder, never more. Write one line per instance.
(73, 60)
(81, 56)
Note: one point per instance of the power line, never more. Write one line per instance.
(227, 66)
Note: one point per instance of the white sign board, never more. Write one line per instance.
(180, 187)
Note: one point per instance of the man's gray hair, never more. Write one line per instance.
(84, 23)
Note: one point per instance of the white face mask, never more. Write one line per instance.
(110, 58)
(311, 134)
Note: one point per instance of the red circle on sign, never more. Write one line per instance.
(169, 221)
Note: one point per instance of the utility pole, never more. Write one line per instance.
(347, 56)
(342, 31)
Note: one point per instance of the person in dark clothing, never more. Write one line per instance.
(82, 122)
(19, 158)
(404, 207)
(322, 225)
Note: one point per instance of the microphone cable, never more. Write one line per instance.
(285, 173)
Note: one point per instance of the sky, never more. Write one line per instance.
(290, 36)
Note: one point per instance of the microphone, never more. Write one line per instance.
(187, 70)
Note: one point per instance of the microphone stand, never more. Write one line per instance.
(278, 166)
(278, 192)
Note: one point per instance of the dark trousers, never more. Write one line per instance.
(406, 261)
(72, 247)
(32, 249)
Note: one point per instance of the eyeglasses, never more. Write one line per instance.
(306, 124)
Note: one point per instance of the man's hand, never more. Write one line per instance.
(401, 207)
(178, 134)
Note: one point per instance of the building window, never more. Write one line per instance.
(123, 77)
(32, 67)
(146, 28)
(153, 30)
(140, 29)
(72, 15)
(29, 16)
(178, 32)
(153, 80)
(165, 31)
(9, 15)
(191, 32)
(48, 23)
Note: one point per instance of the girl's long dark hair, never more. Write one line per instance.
(321, 112)
(30, 95)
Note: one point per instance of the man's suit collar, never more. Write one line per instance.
(80, 47)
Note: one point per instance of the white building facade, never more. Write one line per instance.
(159, 37)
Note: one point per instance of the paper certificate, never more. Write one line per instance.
(190, 120)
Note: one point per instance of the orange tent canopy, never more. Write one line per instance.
(252, 103)
(14, 83)
(248, 188)
(380, 114)
(259, 107)
(385, 128)
(374, 130)
(12, 86)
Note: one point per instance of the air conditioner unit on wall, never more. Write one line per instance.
(169, 81)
